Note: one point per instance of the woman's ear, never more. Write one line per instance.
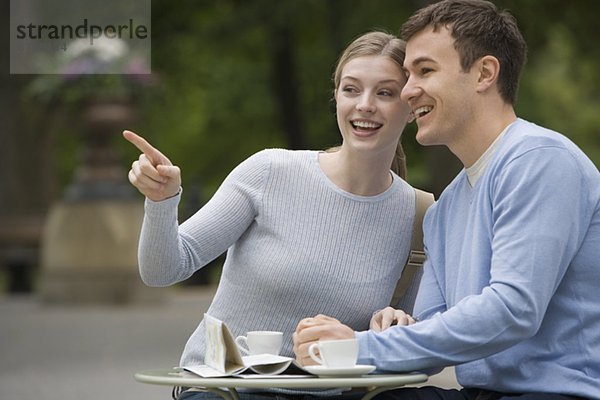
(489, 71)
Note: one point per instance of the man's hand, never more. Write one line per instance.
(311, 330)
(387, 317)
(152, 174)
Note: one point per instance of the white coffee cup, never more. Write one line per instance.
(335, 353)
(260, 342)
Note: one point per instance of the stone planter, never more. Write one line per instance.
(90, 239)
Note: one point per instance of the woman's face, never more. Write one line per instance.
(370, 113)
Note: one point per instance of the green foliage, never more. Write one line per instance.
(220, 98)
(559, 88)
(563, 91)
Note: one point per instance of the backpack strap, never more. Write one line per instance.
(416, 257)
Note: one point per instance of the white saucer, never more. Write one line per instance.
(357, 370)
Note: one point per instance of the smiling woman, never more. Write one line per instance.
(391, 49)
(371, 116)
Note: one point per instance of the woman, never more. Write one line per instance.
(305, 231)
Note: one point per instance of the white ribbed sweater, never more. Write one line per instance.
(297, 245)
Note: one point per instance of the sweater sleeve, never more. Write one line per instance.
(169, 253)
(537, 228)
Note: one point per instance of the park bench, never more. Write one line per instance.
(19, 250)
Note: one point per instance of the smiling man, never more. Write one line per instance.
(509, 293)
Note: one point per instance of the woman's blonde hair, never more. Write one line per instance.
(376, 43)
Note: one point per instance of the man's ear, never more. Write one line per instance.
(489, 71)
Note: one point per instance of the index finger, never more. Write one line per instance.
(155, 156)
(387, 320)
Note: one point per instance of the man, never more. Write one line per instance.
(510, 289)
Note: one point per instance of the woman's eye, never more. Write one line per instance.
(425, 71)
(350, 90)
(386, 93)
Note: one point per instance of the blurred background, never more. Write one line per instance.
(229, 78)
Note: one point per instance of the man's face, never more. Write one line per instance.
(440, 94)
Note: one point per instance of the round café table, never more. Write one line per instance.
(227, 387)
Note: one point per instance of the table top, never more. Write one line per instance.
(176, 377)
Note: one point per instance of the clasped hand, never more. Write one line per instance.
(311, 330)
(389, 316)
(322, 327)
(153, 174)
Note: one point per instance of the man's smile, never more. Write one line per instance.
(422, 111)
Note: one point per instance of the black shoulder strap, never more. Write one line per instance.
(416, 257)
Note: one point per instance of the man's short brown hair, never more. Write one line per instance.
(478, 29)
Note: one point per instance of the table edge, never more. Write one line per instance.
(157, 377)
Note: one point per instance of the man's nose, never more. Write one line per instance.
(409, 91)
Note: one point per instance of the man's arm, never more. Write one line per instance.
(534, 239)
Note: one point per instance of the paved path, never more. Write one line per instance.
(92, 352)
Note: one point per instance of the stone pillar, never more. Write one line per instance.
(89, 254)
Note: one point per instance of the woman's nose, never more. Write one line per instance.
(365, 104)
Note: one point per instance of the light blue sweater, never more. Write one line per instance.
(511, 288)
(297, 245)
